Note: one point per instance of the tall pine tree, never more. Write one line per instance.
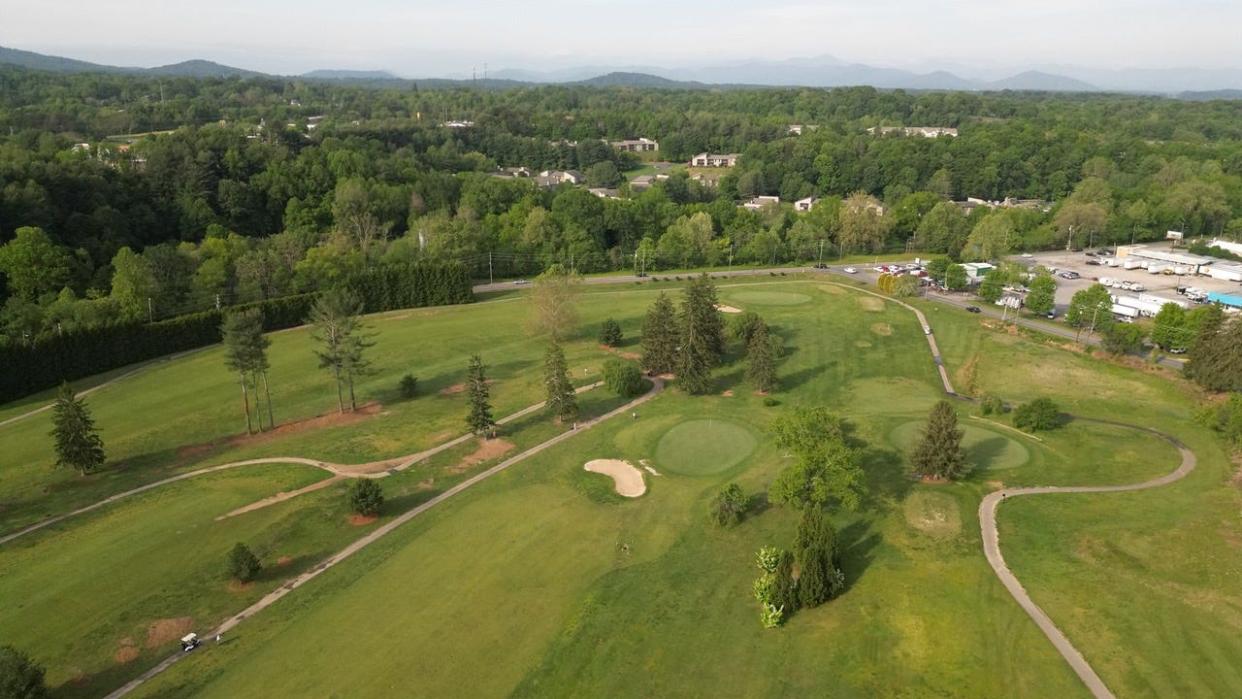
(480, 418)
(702, 337)
(78, 446)
(760, 362)
(562, 401)
(939, 453)
(660, 336)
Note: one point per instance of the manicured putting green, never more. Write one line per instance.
(703, 447)
(985, 449)
(767, 298)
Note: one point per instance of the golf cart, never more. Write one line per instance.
(189, 642)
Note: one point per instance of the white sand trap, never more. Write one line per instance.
(629, 480)
(727, 309)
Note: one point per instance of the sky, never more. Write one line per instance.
(418, 38)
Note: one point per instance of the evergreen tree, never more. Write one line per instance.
(338, 329)
(786, 588)
(1215, 357)
(610, 333)
(760, 364)
(480, 418)
(702, 337)
(78, 446)
(815, 550)
(245, 351)
(243, 565)
(939, 453)
(366, 497)
(562, 401)
(660, 336)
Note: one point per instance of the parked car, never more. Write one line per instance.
(1052, 314)
(850, 270)
(821, 265)
(1069, 274)
(974, 309)
(1093, 262)
(520, 282)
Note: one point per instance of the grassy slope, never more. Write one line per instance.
(551, 600)
(548, 599)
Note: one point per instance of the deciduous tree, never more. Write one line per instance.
(20, 676)
(554, 298)
(827, 468)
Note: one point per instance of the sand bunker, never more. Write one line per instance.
(727, 309)
(629, 480)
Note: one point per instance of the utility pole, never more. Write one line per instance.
(490, 279)
(821, 251)
(150, 311)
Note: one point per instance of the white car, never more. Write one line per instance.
(1027, 255)
(850, 270)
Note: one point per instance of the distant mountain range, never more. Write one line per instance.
(821, 71)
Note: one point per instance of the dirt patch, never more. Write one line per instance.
(631, 356)
(459, 388)
(834, 290)
(871, 303)
(426, 485)
(126, 652)
(727, 309)
(237, 587)
(727, 393)
(882, 329)
(627, 480)
(283, 561)
(968, 376)
(487, 450)
(319, 422)
(861, 344)
(995, 485)
(164, 631)
(361, 520)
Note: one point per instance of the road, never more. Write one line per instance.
(382, 531)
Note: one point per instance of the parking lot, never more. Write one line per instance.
(1162, 284)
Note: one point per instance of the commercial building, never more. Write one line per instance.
(714, 160)
(636, 145)
(804, 205)
(761, 202)
(1146, 257)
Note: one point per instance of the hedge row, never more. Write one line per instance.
(50, 359)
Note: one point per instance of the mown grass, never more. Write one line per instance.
(541, 581)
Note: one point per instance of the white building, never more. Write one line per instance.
(714, 160)
(761, 202)
(636, 145)
(924, 131)
(555, 178)
(1148, 256)
(805, 205)
(1227, 246)
(976, 271)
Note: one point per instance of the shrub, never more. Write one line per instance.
(764, 589)
(768, 558)
(991, 405)
(243, 565)
(744, 326)
(610, 333)
(771, 616)
(1038, 415)
(366, 497)
(770, 402)
(408, 387)
(623, 378)
(729, 506)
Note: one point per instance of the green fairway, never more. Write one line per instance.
(561, 587)
(985, 450)
(767, 298)
(702, 447)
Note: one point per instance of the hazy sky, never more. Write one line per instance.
(419, 38)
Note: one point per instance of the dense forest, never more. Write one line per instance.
(139, 198)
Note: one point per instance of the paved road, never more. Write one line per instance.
(382, 531)
(991, 549)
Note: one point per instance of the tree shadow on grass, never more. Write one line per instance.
(982, 455)
(797, 378)
(888, 480)
(856, 543)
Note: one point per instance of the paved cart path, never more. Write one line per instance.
(382, 531)
(375, 469)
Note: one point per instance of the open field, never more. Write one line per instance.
(542, 581)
